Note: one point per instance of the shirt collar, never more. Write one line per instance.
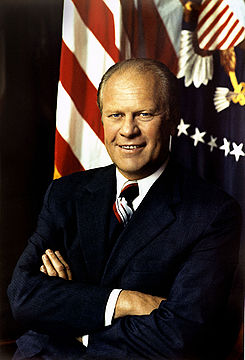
(144, 184)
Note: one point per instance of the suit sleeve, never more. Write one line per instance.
(51, 304)
(186, 325)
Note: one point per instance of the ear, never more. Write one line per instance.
(173, 131)
(174, 124)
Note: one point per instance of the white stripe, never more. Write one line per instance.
(121, 39)
(116, 10)
(223, 34)
(215, 29)
(211, 18)
(89, 52)
(238, 7)
(121, 211)
(209, 7)
(171, 12)
(85, 144)
(232, 37)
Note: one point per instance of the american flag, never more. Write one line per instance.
(220, 25)
(96, 34)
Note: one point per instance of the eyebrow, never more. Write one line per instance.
(151, 110)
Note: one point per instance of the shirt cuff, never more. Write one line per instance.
(109, 312)
(83, 339)
(110, 306)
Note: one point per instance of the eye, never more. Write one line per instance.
(115, 116)
(144, 116)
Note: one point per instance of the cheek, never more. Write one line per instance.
(155, 136)
(158, 138)
(109, 133)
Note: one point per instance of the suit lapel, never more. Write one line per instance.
(93, 207)
(155, 213)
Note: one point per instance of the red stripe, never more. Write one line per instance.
(128, 186)
(100, 21)
(227, 35)
(157, 41)
(218, 32)
(65, 160)
(131, 25)
(236, 38)
(81, 90)
(204, 5)
(116, 213)
(209, 13)
(214, 22)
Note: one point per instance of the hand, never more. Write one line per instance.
(136, 303)
(55, 265)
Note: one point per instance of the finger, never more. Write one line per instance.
(49, 267)
(43, 269)
(57, 265)
(67, 268)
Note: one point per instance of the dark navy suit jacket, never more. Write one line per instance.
(181, 243)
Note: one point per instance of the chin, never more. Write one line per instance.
(134, 174)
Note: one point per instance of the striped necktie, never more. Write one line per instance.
(123, 208)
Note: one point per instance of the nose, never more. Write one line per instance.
(129, 127)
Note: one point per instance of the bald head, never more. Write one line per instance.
(166, 83)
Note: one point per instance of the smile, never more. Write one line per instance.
(130, 147)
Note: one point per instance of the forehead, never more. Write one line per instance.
(131, 87)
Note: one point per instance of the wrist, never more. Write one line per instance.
(124, 304)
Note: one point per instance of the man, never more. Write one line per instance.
(142, 276)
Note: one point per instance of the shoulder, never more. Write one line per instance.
(200, 192)
(70, 186)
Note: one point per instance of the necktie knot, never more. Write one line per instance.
(123, 207)
(130, 192)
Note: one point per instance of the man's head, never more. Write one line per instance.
(138, 103)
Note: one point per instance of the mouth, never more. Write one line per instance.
(130, 147)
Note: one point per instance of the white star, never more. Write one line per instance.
(212, 143)
(225, 146)
(198, 136)
(237, 151)
(182, 127)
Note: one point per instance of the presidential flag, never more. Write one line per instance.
(210, 137)
(211, 133)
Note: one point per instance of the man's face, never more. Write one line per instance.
(136, 132)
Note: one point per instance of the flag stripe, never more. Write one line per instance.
(219, 46)
(155, 33)
(237, 37)
(215, 33)
(206, 14)
(81, 90)
(84, 45)
(121, 39)
(204, 5)
(218, 25)
(64, 156)
(171, 14)
(76, 131)
(95, 15)
(213, 21)
(131, 25)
